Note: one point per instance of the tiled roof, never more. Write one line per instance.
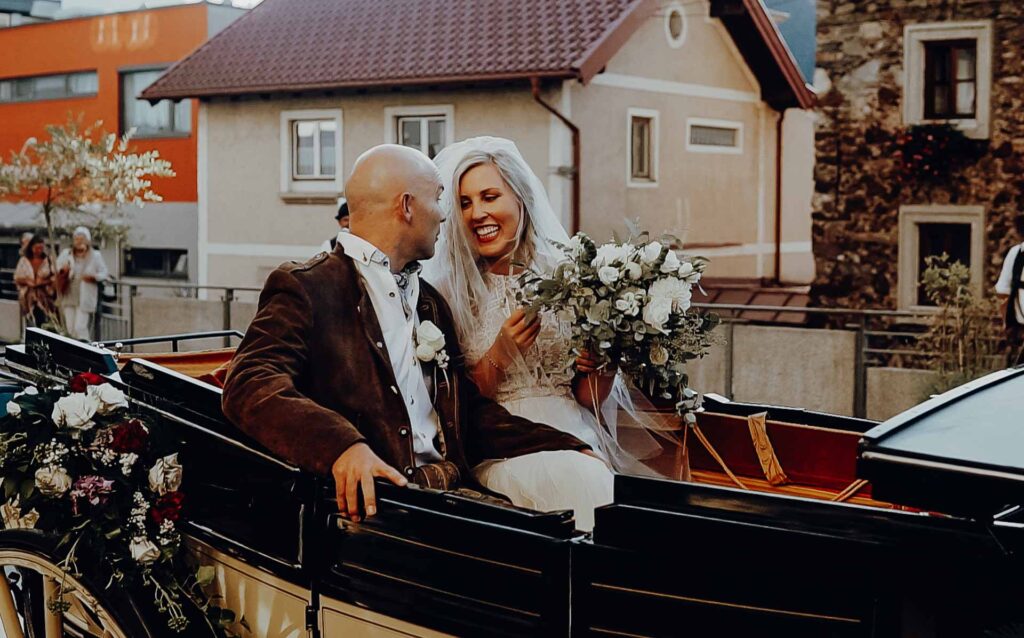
(301, 45)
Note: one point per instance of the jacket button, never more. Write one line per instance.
(394, 389)
(409, 471)
(380, 345)
(403, 432)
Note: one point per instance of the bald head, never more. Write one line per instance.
(393, 195)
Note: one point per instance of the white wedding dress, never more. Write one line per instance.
(538, 387)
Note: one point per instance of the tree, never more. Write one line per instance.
(82, 177)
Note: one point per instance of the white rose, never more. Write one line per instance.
(165, 475)
(674, 290)
(108, 397)
(143, 550)
(53, 480)
(633, 270)
(75, 411)
(684, 270)
(576, 246)
(13, 408)
(608, 275)
(30, 391)
(424, 352)
(610, 253)
(659, 355)
(671, 263)
(430, 335)
(651, 252)
(657, 312)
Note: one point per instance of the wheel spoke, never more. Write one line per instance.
(8, 611)
(54, 622)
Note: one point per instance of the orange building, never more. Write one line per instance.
(95, 67)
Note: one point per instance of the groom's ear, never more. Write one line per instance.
(406, 206)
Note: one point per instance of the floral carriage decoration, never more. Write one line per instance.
(629, 302)
(78, 464)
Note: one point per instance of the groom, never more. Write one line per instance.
(328, 376)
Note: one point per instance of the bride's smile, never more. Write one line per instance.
(490, 211)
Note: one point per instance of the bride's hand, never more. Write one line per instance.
(516, 336)
(587, 363)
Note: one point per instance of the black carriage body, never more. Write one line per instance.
(666, 559)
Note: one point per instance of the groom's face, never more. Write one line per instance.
(427, 215)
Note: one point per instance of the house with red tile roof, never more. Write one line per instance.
(689, 114)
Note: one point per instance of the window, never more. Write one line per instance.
(948, 69)
(675, 25)
(49, 87)
(165, 263)
(951, 79)
(925, 231)
(311, 156)
(643, 148)
(163, 119)
(313, 148)
(714, 136)
(425, 128)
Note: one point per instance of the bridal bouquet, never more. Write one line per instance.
(630, 302)
(77, 464)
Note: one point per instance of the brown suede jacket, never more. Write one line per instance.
(312, 377)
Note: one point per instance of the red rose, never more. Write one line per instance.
(129, 436)
(167, 507)
(83, 380)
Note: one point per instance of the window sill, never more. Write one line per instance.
(310, 197)
(971, 127)
(641, 183)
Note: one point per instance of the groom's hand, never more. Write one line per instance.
(358, 466)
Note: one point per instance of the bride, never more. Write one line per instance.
(499, 219)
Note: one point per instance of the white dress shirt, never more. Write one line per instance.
(1003, 286)
(396, 312)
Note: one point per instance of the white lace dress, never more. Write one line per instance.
(539, 388)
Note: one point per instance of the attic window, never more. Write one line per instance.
(675, 25)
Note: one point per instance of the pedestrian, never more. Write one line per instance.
(1010, 286)
(80, 269)
(342, 218)
(33, 277)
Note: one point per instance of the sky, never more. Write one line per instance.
(799, 31)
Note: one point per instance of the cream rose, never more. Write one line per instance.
(609, 254)
(13, 408)
(165, 475)
(53, 480)
(671, 263)
(108, 397)
(659, 355)
(676, 291)
(633, 270)
(651, 252)
(75, 411)
(430, 335)
(608, 275)
(657, 313)
(143, 550)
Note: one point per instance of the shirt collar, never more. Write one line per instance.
(366, 253)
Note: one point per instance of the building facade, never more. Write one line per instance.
(678, 105)
(890, 193)
(94, 67)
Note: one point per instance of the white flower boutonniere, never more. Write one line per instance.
(429, 341)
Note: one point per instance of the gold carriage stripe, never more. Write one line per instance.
(439, 591)
(722, 603)
(615, 632)
(358, 529)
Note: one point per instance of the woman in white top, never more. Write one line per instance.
(82, 268)
(1010, 287)
(499, 219)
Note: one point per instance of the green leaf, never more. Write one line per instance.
(205, 575)
(27, 487)
(10, 487)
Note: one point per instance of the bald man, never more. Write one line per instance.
(331, 375)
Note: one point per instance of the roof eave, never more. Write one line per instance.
(615, 36)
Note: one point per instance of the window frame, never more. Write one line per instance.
(11, 83)
(318, 174)
(303, 190)
(670, 10)
(737, 149)
(908, 274)
(174, 105)
(394, 114)
(916, 38)
(166, 273)
(654, 148)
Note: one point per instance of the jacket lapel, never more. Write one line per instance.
(368, 322)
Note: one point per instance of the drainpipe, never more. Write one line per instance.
(575, 217)
(778, 198)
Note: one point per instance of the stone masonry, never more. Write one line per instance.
(858, 186)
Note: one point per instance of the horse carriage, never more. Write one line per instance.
(908, 528)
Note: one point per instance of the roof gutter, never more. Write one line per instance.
(575, 131)
(778, 198)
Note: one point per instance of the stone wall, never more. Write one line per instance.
(858, 189)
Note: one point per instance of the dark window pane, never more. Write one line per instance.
(937, 238)
(951, 69)
(409, 132)
(641, 148)
(151, 119)
(435, 137)
(156, 262)
(713, 136)
(327, 150)
(304, 145)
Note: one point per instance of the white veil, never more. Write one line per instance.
(455, 273)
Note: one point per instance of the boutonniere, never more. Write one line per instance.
(430, 346)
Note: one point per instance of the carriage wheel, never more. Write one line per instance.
(29, 587)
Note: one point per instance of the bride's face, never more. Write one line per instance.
(490, 211)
